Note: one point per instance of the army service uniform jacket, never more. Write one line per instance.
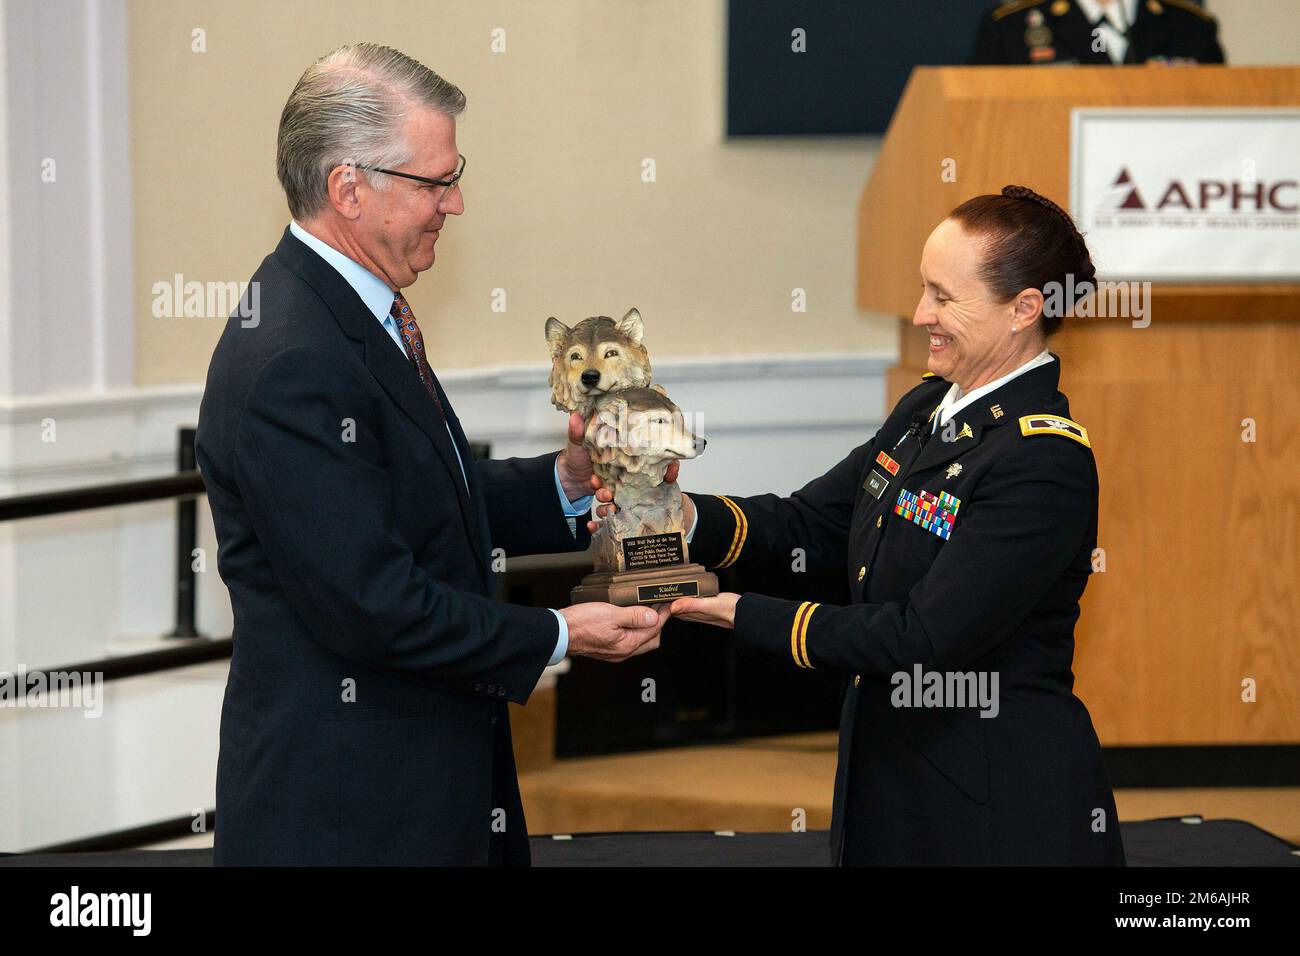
(966, 552)
(1059, 32)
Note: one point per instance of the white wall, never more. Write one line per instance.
(1258, 32)
(557, 215)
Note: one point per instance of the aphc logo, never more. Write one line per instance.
(1205, 196)
(1129, 196)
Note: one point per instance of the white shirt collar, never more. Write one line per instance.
(1119, 13)
(955, 401)
(374, 291)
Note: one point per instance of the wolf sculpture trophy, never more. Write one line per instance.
(600, 369)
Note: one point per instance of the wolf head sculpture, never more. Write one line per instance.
(595, 357)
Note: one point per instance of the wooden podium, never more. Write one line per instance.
(1201, 530)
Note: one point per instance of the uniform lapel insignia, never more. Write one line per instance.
(996, 410)
(1037, 36)
(953, 470)
(943, 447)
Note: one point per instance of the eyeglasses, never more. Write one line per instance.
(447, 184)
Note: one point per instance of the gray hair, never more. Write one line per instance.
(349, 108)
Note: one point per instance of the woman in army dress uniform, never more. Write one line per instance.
(967, 527)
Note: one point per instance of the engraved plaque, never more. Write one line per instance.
(653, 551)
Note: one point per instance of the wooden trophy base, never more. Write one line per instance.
(628, 588)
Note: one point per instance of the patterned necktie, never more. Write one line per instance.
(414, 343)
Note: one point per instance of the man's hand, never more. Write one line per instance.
(609, 633)
(719, 611)
(574, 464)
(605, 504)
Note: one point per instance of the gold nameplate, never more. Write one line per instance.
(669, 590)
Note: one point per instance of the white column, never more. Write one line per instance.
(65, 227)
(80, 586)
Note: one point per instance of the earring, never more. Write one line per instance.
(1013, 327)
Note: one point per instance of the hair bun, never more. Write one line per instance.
(1084, 270)
(1024, 192)
(1033, 242)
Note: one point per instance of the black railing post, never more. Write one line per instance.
(187, 532)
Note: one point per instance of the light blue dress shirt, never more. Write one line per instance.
(378, 298)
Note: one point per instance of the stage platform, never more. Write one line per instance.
(753, 785)
(1173, 842)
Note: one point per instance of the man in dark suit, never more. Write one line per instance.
(1098, 32)
(365, 717)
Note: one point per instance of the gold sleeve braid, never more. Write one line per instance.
(738, 538)
(799, 633)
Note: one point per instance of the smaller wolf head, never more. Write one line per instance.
(596, 356)
(638, 431)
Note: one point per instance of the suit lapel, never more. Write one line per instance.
(484, 539)
(385, 361)
(400, 380)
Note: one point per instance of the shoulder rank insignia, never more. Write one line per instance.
(1191, 8)
(1009, 8)
(1054, 425)
(925, 375)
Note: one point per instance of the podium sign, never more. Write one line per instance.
(1188, 194)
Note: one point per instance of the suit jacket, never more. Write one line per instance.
(1039, 32)
(964, 557)
(365, 718)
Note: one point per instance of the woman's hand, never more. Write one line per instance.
(719, 611)
(604, 503)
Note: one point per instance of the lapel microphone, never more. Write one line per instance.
(916, 427)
